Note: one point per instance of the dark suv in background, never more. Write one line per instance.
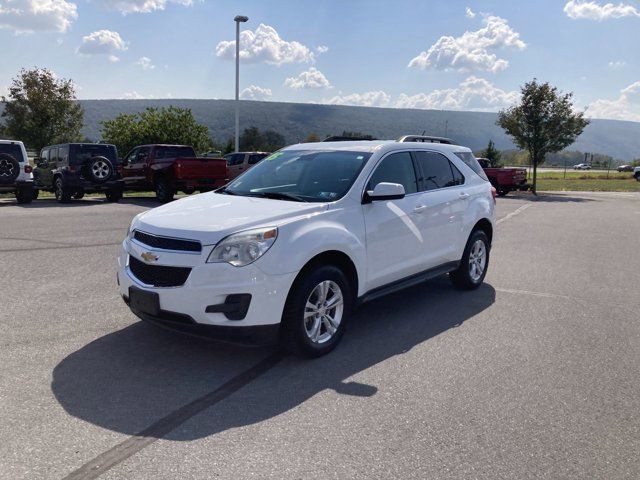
(72, 169)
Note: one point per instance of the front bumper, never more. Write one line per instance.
(210, 287)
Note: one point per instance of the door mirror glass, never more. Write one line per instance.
(386, 191)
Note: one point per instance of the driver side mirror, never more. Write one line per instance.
(384, 191)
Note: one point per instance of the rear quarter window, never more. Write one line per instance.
(79, 154)
(12, 149)
(470, 160)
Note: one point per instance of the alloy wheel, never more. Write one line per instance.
(477, 260)
(323, 311)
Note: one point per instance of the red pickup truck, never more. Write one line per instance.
(170, 168)
(505, 180)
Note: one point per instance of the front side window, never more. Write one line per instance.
(437, 171)
(395, 168)
(302, 175)
(470, 159)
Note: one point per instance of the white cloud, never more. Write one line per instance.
(472, 50)
(133, 96)
(265, 45)
(145, 63)
(322, 49)
(472, 94)
(28, 16)
(469, 13)
(103, 42)
(312, 78)
(590, 10)
(625, 107)
(255, 92)
(140, 6)
(617, 64)
(367, 99)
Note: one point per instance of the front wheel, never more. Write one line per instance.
(474, 263)
(316, 313)
(164, 191)
(63, 195)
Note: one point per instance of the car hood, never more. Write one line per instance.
(209, 217)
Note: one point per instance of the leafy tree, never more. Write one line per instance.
(543, 122)
(229, 147)
(492, 154)
(41, 109)
(252, 139)
(156, 125)
(312, 138)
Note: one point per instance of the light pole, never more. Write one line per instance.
(238, 19)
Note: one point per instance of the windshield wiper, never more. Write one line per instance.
(279, 196)
(225, 191)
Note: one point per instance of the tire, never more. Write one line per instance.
(78, 194)
(502, 192)
(35, 193)
(9, 168)
(99, 169)
(114, 195)
(637, 175)
(164, 190)
(466, 277)
(63, 195)
(313, 338)
(24, 195)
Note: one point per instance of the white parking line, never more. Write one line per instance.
(513, 214)
(535, 294)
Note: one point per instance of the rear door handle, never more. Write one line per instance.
(420, 208)
(464, 195)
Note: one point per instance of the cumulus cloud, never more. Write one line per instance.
(367, 99)
(322, 49)
(265, 45)
(28, 16)
(472, 50)
(625, 107)
(103, 42)
(472, 94)
(140, 6)
(145, 63)
(133, 96)
(589, 10)
(312, 78)
(255, 92)
(469, 13)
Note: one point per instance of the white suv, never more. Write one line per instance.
(15, 171)
(289, 248)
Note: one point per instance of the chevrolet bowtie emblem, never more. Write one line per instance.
(149, 257)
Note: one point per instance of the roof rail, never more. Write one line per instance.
(341, 138)
(426, 139)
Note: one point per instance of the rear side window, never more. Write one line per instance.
(53, 156)
(235, 159)
(437, 171)
(174, 152)
(81, 153)
(12, 149)
(63, 153)
(45, 154)
(470, 159)
(256, 157)
(396, 168)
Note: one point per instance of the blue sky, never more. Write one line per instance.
(402, 53)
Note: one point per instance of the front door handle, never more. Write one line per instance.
(420, 208)
(464, 195)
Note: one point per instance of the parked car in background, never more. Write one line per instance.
(15, 171)
(212, 154)
(168, 169)
(636, 173)
(582, 166)
(505, 180)
(240, 162)
(287, 251)
(625, 168)
(70, 170)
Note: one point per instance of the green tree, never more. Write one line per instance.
(156, 125)
(492, 154)
(252, 139)
(312, 138)
(41, 109)
(543, 122)
(229, 147)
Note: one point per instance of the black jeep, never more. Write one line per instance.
(72, 169)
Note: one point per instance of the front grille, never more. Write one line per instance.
(166, 243)
(158, 275)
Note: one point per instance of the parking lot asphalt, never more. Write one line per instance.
(534, 375)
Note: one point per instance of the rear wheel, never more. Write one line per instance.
(114, 195)
(24, 195)
(502, 192)
(475, 261)
(63, 195)
(164, 190)
(78, 194)
(316, 313)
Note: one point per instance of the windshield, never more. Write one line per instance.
(470, 159)
(303, 175)
(12, 149)
(81, 153)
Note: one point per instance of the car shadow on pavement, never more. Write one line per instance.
(547, 197)
(129, 379)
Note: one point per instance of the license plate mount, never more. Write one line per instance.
(144, 302)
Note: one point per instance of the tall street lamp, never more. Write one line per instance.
(238, 19)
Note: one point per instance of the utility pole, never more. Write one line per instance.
(238, 19)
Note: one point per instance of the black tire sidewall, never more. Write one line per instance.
(164, 193)
(24, 195)
(16, 168)
(61, 193)
(462, 277)
(295, 338)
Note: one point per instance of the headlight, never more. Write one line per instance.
(243, 248)
(132, 224)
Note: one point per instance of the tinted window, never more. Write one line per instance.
(131, 158)
(437, 171)
(83, 152)
(53, 156)
(256, 157)
(143, 154)
(396, 168)
(63, 153)
(470, 159)
(173, 152)
(316, 176)
(235, 159)
(12, 149)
